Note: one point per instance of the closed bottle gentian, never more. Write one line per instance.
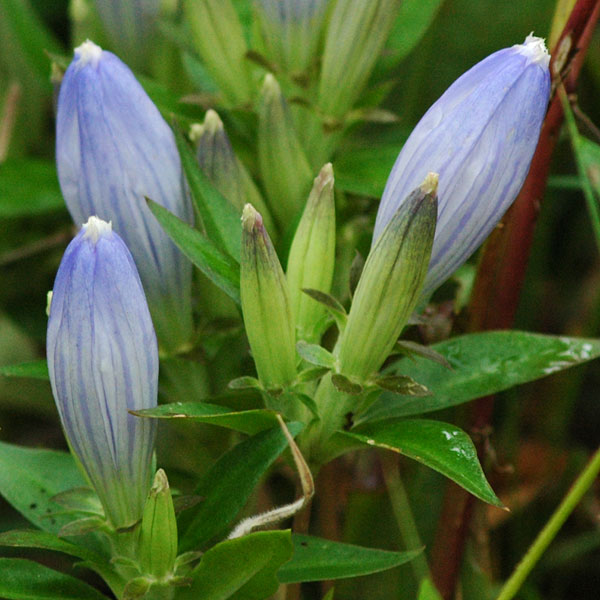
(480, 137)
(103, 361)
(113, 148)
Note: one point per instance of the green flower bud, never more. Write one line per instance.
(266, 305)
(357, 31)
(283, 163)
(312, 257)
(218, 37)
(158, 533)
(291, 30)
(220, 164)
(390, 284)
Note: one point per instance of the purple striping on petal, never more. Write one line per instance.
(103, 361)
(480, 137)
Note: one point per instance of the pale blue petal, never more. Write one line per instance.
(103, 361)
(113, 149)
(480, 137)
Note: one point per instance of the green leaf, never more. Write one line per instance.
(169, 103)
(247, 421)
(244, 383)
(587, 158)
(482, 364)
(364, 171)
(316, 559)
(441, 446)
(29, 187)
(30, 477)
(33, 538)
(311, 374)
(220, 219)
(401, 384)
(343, 384)
(28, 580)
(220, 268)
(26, 40)
(413, 20)
(411, 348)
(242, 569)
(229, 482)
(36, 369)
(427, 591)
(315, 355)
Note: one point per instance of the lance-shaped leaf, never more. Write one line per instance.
(103, 361)
(228, 484)
(441, 446)
(482, 364)
(219, 267)
(317, 559)
(27, 579)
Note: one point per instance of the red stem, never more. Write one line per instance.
(499, 281)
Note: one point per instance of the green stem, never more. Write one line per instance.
(579, 488)
(586, 187)
(404, 516)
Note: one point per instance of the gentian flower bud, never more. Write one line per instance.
(480, 137)
(283, 164)
(158, 533)
(266, 305)
(218, 36)
(220, 164)
(312, 257)
(356, 34)
(129, 26)
(113, 148)
(291, 31)
(103, 361)
(390, 284)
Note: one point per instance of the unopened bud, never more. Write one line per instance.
(390, 284)
(312, 256)
(266, 305)
(283, 163)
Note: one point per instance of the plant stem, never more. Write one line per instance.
(570, 501)
(403, 513)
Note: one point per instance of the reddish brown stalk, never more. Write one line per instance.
(500, 278)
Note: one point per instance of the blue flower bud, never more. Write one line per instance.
(480, 137)
(103, 361)
(113, 148)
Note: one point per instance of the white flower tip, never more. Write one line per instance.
(430, 183)
(48, 302)
(88, 54)
(96, 228)
(211, 126)
(535, 49)
(270, 88)
(251, 218)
